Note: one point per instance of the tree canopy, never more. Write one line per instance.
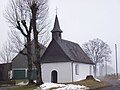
(98, 51)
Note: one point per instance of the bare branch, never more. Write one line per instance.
(29, 17)
(98, 51)
(6, 53)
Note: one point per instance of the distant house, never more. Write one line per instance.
(5, 69)
(64, 61)
(20, 65)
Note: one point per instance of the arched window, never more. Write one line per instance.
(77, 69)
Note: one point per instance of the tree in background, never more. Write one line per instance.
(17, 42)
(28, 17)
(98, 51)
(6, 54)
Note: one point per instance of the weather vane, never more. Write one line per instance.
(56, 10)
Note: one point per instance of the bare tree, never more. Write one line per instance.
(17, 16)
(25, 16)
(6, 54)
(98, 51)
(39, 10)
(17, 41)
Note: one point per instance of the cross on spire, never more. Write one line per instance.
(56, 10)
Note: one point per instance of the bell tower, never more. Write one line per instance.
(56, 32)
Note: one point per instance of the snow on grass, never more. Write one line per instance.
(22, 83)
(35, 81)
(73, 87)
(47, 86)
(54, 86)
(97, 80)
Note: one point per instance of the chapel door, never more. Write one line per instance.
(54, 76)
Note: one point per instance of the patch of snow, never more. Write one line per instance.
(34, 81)
(47, 86)
(97, 80)
(72, 87)
(22, 83)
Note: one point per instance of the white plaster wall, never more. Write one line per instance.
(92, 72)
(64, 71)
(84, 70)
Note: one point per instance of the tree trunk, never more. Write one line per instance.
(38, 72)
(37, 60)
(29, 57)
(37, 47)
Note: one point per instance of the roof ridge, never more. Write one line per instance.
(70, 41)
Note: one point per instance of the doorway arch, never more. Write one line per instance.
(54, 76)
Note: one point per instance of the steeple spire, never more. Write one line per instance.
(56, 26)
(56, 32)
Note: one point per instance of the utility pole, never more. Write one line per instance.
(116, 60)
(106, 67)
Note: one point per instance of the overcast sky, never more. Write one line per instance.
(81, 21)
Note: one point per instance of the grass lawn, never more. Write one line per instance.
(91, 83)
(31, 87)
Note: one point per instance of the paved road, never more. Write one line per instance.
(111, 88)
(4, 88)
(115, 85)
(7, 87)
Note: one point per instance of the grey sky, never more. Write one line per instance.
(82, 20)
(3, 25)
